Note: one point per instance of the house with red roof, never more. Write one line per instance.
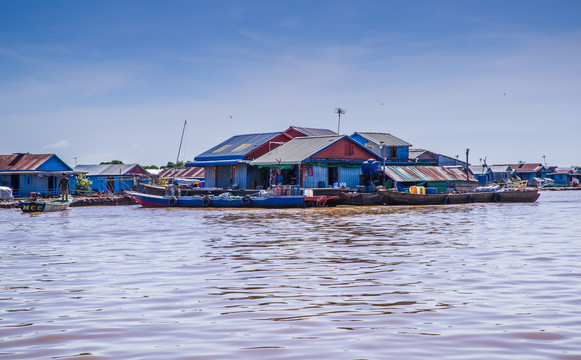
(26, 173)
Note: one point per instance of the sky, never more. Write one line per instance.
(95, 81)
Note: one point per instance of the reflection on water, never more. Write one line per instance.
(457, 282)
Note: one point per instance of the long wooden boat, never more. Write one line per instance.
(256, 201)
(400, 198)
(30, 206)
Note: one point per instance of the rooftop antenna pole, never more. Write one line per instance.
(467, 151)
(180, 148)
(339, 111)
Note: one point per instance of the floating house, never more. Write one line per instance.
(443, 178)
(566, 176)
(226, 165)
(390, 148)
(426, 157)
(112, 178)
(492, 173)
(26, 173)
(316, 162)
(529, 171)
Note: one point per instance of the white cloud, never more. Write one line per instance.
(62, 144)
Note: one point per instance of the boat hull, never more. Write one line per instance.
(148, 200)
(399, 198)
(44, 206)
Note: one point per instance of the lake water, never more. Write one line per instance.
(474, 281)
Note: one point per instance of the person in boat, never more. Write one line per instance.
(64, 187)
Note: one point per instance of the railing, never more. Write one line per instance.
(24, 193)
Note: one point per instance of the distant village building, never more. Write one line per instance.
(426, 157)
(226, 165)
(112, 178)
(567, 176)
(26, 173)
(492, 173)
(389, 147)
(530, 171)
(317, 162)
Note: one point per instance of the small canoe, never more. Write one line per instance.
(32, 206)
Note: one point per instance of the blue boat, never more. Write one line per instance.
(225, 200)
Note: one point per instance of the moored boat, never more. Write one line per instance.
(402, 198)
(35, 205)
(259, 200)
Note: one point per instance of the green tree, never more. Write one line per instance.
(172, 165)
(151, 167)
(112, 162)
(82, 183)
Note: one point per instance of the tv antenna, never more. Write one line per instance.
(339, 111)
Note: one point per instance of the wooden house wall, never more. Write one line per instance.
(267, 146)
(247, 177)
(349, 176)
(344, 149)
(27, 183)
(562, 178)
(293, 133)
(224, 176)
(54, 163)
(319, 174)
(100, 183)
(209, 180)
(403, 153)
(253, 177)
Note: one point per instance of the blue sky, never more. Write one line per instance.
(104, 80)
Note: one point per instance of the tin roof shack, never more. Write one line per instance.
(112, 178)
(190, 175)
(426, 157)
(317, 162)
(443, 178)
(226, 165)
(529, 171)
(394, 150)
(566, 177)
(26, 173)
(491, 173)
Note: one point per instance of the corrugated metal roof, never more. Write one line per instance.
(22, 162)
(426, 173)
(523, 168)
(496, 169)
(386, 138)
(236, 147)
(105, 169)
(314, 132)
(185, 172)
(296, 150)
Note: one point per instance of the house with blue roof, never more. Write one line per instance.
(227, 165)
(393, 149)
(112, 178)
(26, 173)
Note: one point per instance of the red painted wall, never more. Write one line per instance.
(344, 149)
(268, 146)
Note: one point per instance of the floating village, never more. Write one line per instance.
(297, 167)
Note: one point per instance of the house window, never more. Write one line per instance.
(394, 152)
(349, 149)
